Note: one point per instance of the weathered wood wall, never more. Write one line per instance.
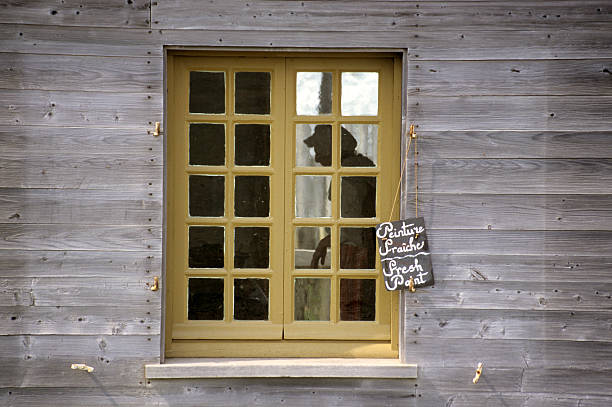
(513, 103)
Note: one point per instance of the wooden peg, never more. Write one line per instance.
(81, 366)
(155, 285)
(478, 373)
(157, 130)
(411, 285)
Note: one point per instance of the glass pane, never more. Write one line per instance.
(359, 93)
(207, 92)
(206, 195)
(251, 298)
(312, 247)
(252, 247)
(312, 299)
(206, 144)
(359, 145)
(206, 246)
(252, 196)
(205, 299)
(313, 145)
(312, 196)
(357, 299)
(313, 93)
(357, 248)
(253, 92)
(252, 144)
(358, 197)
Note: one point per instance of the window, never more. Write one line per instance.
(279, 167)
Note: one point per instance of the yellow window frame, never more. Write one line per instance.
(280, 336)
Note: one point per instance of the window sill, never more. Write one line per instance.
(187, 368)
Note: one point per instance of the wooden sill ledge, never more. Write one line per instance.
(186, 368)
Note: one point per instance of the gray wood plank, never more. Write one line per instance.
(83, 172)
(489, 295)
(80, 73)
(122, 143)
(369, 15)
(437, 44)
(73, 206)
(80, 320)
(533, 354)
(509, 324)
(538, 113)
(93, 13)
(68, 108)
(546, 242)
(80, 291)
(536, 267)
(514, 144)
(573, 381)
(510, 77)
(44, 39)
(44, 361)
(80, 237)
(510, 176)
(453, 379)
(516, 212)
(504, 399)
(79, 263)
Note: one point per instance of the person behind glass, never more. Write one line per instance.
(358, 200)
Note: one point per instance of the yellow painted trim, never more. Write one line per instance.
(327, 339)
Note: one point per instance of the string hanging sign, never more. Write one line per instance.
(402, 245)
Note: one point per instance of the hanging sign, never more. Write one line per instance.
(404, 253)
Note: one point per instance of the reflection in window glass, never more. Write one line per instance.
(313, 93)
(357, 299)
(312, 247)
(207, 92)
(357, 248)
(251, 297)
(252, 247)
(252, 196)
(312, 299)
(359, 145)
(205, 299)
(206, 144)
(358, 197)
(313, 145)
(252, 144)
(206, 245)
(312, 196)
(206, 195)
(359, 94)
(252, 92)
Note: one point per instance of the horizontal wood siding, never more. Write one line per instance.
(511, 101)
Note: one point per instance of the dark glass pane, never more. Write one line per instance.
(207, 92)
(252, 197)
(206, 245)
(312, 299)
(358, 197)
(359, 145)
(252, 144)
(253, 92)
(319, 138)
(251, 298)
(357, 299)
(252, 247)
(312, 247)
(206, 195)
(357, 248)
(206, 144)
(205, 298)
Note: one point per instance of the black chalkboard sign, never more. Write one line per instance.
(404, 253)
